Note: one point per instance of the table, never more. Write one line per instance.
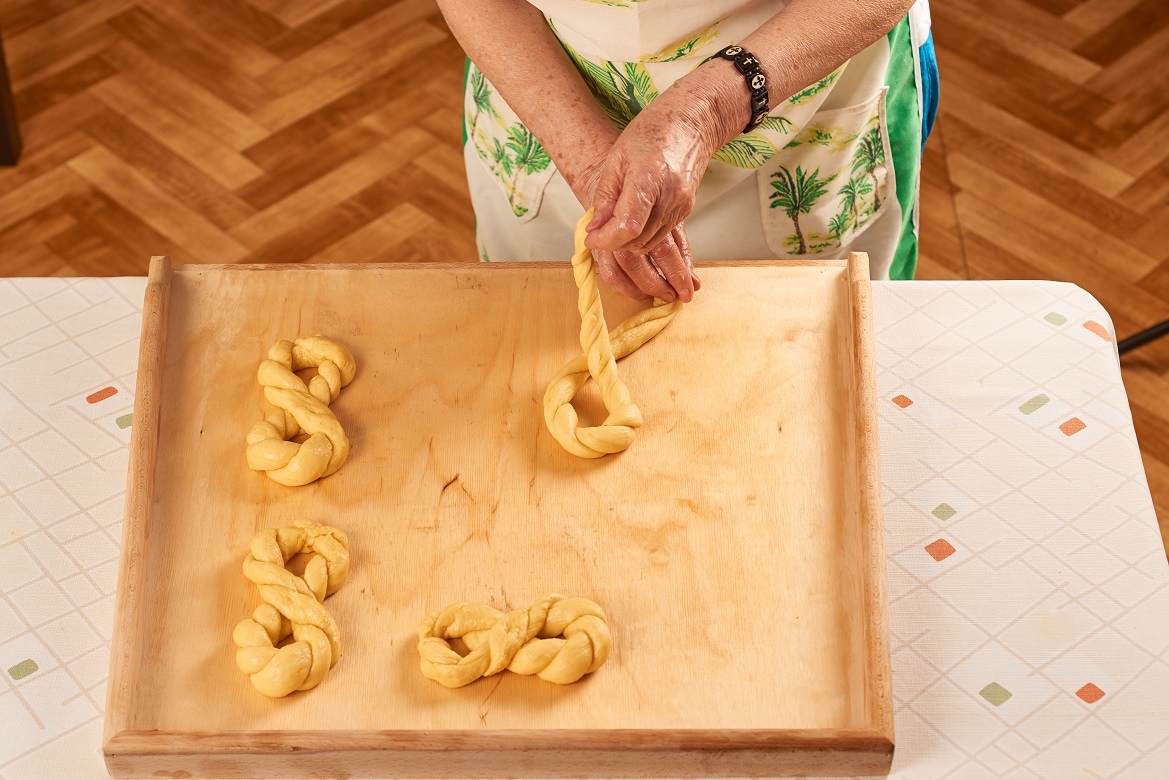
(1028, 585)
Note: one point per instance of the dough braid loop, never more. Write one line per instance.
(301, 408)
(557, 638)
(602, 350)
(293, 606)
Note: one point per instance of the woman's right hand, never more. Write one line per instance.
(636, 274)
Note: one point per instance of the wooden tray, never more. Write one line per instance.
(737, 545)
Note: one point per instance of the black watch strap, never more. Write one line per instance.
(748, 65)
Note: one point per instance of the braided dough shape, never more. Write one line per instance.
(292, 605)
(301, 408)
(560, 639)
(602, 350)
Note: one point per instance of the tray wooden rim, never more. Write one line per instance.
(479, 266)
(873, 745)
(184, 742)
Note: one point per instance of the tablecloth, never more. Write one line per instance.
(1029, 590)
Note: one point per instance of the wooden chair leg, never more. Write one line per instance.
(9, 133)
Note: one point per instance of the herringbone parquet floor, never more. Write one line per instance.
(328, 130)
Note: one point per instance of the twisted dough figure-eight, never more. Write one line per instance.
(301, 408)
(602, 350)
(557, 638)
(292, 605)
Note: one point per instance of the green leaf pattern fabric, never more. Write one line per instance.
(684, 47)
(506, 146)
(623, 89)
(796, 193)
(810, 93)
(828, 183)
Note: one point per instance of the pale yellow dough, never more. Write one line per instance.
(301, 408)
(602, 350)
(557, 638)
(292, 605)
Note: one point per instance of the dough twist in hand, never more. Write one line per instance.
(301, 408)
(292, 605)
(557, 638)
(602, 350)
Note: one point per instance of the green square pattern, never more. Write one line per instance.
(23, 669)
(1034, 404)
(995, 694)
(944, 512)
(1055, 318)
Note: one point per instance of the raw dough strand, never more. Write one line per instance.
(301, 408)
(558, 639)
(602, 350)
(292, 605)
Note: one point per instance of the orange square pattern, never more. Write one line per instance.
(1090, 693)
(101, 395)
(903, 401)
(1073, 426)
(940, 550)
(1098, 329)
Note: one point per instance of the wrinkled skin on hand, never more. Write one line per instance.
(638, 274)
(645, 188)
(665, 271)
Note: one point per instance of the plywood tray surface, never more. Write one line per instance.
(736, 546)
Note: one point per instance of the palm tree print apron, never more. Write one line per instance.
(833, 169)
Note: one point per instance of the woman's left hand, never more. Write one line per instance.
(636, 275)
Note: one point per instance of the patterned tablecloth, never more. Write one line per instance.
(1029, 588)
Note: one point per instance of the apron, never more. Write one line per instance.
(833, 169)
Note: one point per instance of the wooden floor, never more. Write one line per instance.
(329, 130)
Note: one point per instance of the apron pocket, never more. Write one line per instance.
(830, 183)
(506, 148)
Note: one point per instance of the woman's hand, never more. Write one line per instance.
(647, 184)
(635, 274)
(665, 271)
(649, 180)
